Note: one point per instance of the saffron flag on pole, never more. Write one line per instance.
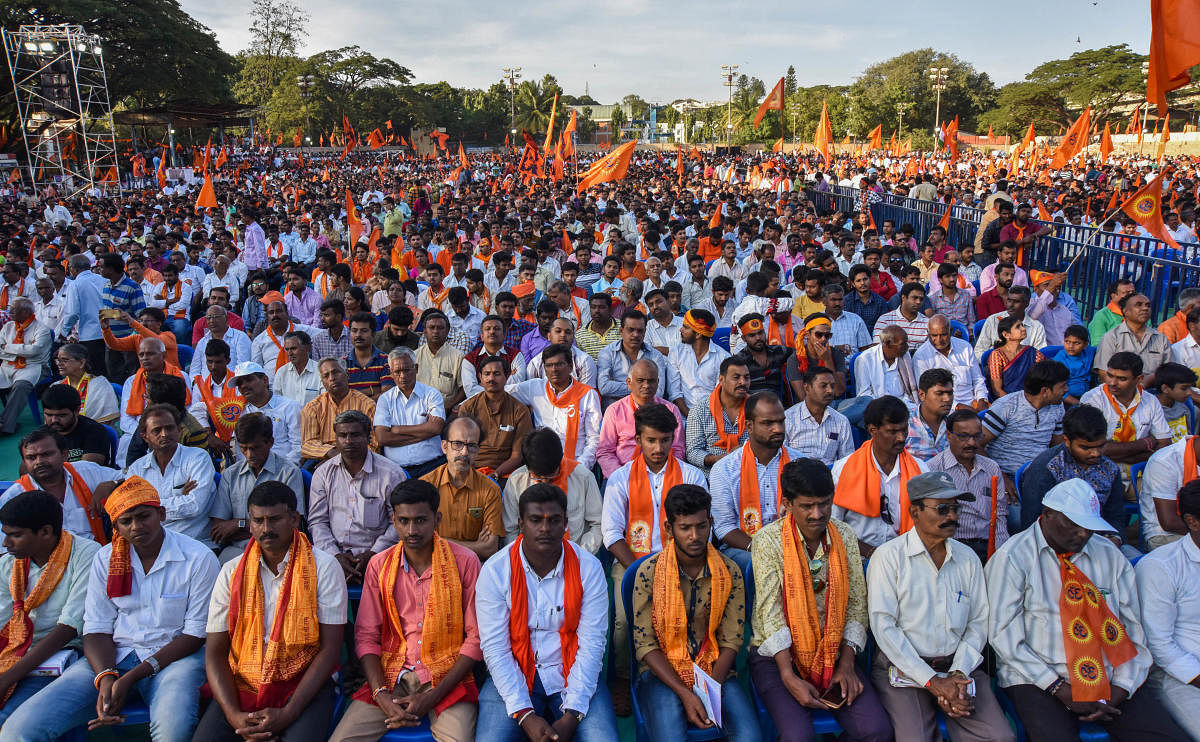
(1174, 48)
(824, 135)
(1073, 141)
(877, 137)
(1106, 144)
(161, 172)
(548, 144)
(1145, 208)
(611, 167)
(208, 197)
(944, 222)
(1162, 141)
(774, 100)
(352, 221)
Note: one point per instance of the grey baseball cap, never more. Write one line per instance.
(936, 485)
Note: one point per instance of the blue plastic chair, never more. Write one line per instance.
(114, 438)
(721, 337)
(420, 733)
(118, 389)
(851, 390)
(185, 356)
(978, 328)
(1020, 473)
(1191, 414)
(983, 369)
(639, 718)
(975, 283)
(958, 329)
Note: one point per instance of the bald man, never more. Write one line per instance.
(617, 435)
(24, 358)
(152, 359)
(267, 348)
(942, 350)
(470, 505)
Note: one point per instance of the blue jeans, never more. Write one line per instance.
(495, 725)
(25, 690)
(740, 557)
(853, 409)
(182, 329)
(173, 696)
(664, 711)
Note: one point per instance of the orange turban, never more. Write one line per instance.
(523, 289)
(133, 492)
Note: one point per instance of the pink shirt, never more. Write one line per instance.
(412, 592)
(617, 444)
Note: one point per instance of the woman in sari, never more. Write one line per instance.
(99, 400)
(813, 349)
(1011, 359)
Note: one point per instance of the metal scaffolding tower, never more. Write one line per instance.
(63, 107)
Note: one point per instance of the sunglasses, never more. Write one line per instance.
(823, 334)
(945, 508)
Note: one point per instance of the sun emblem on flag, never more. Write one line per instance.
(1144, 205)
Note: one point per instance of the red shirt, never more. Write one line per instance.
(882, 284)
(989, 303)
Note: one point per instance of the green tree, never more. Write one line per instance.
(618, 120)
(533, 103)
(276, 27)
(790, 84)
(638, 107)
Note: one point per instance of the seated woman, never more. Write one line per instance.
(813, 349)
(355, 301)
(1011, 359)
(99, 400)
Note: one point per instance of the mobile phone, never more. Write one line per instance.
(834, 697)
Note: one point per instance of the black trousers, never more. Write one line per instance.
(1142, 719)
(312, 726)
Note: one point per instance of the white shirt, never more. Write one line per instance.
(186, 513)
(697, 378)
(239, 351)
(918, 610)
(1161, 480)
(49, 314)
(546, 415)
(75, 520)
(615, 519)
(35, 350)
(264, 351)
(169, 600)
(229, 281)
(493, 604)
(1148, 418)
(960, 361)
(331, 592)
(65, 603)
(660, 336)
(468, 325)
(1187, 352)
(393, 408)
(875, 377)
(1168, 579)
(300, 387)
(874, 531)
(284, 414)
(826, 441)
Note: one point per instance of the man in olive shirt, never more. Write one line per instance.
(504, 421)
(470, 502)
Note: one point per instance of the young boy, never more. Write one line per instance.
(1077, 355)
(1174, 382)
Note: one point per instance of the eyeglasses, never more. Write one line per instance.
(967, 436)
(945, 508)
(822, 334)
(460, 446)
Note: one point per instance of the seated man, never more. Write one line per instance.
(930, 641)
(618, 443)
(409, 418)
(217, 403)
(424, 581)
(927, 423)
(1137, 426)
(237, 342)
(152, 359)
(943, 350)
(171, 390)
(228, 517)
(975, 473)
(298, 379)
(1079, 456)
(872, 482)
(76, 486)
(1167, 471)
(275, 623)
(504, 421)
(317, 440)
(347, 502)
(542, 606)
(87, 440)
(815, 429)
(886, 369)
(143, 630)
(745, 485)
(1022, 425)
(184, 475)
(688, 607)
(562, 332)
(1052, 662)
(53, 566)
(707, 440)
(1167, 580)
(254, 385)
(470, 510)
(543, 463)
(24, 360)
(800, 654)
(563, 404)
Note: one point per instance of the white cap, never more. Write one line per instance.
(1077, 500)
(246, 368)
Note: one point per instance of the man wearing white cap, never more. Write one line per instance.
(253, 383)
(1066, 627)
(928, 609)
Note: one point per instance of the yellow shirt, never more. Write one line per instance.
(442, 371)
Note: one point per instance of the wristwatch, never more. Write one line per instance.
(579, 715)
(241, 523)
(154, 664)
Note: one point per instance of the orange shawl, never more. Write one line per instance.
(281, 358)
(1090, 629)
(137, 389)
(518, 616)
(17, 635)
(788, 338)
(1189, 460)
(639, 530)
(749, 496)
(19, 338)
(436, 300)
(267, 673)
(814, 652)
(860, 488)
(131, 493)
(670, 618)
(725, 439)
(1126, 430)
(569, 401)
(83, 495)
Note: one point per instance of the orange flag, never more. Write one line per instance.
(1112, 202)
(161, 173)
(944, 222)
(778, 146)
(824, 136)
(1174, 47)
(208, 197)
(547, 145)
(679, 160)
(222, 158)
(1145, 208)
(774, 99)
(1162, 141)
(297, 137)
(877, 137)
(1135, 121)
(611, 167)
(1043, 212)
(1106, 144)
(715, 220)
(1073, 141)
(568, 140)
(566, 243)
(375, 139)
(352, 221)
(990, 134)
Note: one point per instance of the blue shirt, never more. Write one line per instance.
(82, 306)
(870, 311)
(125, 295)
(1080, 368)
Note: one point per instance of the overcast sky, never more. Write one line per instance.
(667, 49)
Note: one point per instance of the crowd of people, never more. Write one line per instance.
(366, 447)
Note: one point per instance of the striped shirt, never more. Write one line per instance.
(592, 343)
(724, 484)
(974, 517)
(826, 441)
(374, 374)
(916, 328)
(701, 436)
(960, 309)
(1020, 431)
(126, 295)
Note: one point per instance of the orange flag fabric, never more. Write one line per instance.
(568, 141)
(1043, 212)
(824, 135)
(297, 137)
(1162, 141)
(944, 222)
(1174, 48)
(774, 99)
(548, 144)
(1106, 144)
(352, 221)
(877, 137)
(1145, 208)
(1073, 141)
(208, 197)
(610, 168)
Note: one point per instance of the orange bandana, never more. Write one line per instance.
(860, 488)
(814, 652)
(670, 618)
(267, 673)
(569, 401)
(1089, 627)
(518, 617)
(703, 329)
(224, 410)
(643, 521)
(749, 496)
(19, 338)
(1126, 431)
(725, 439)
(133, 492)
(83, 495)
(17, 635)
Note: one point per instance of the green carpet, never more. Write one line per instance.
(10, 454)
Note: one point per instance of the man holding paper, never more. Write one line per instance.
(689, 604)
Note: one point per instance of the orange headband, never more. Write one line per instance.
(750, 325)
(133, 492)
(695, 325)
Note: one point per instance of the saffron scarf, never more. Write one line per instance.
(518, 616)
(749, 497)
(725, 439)
(814, 652)
(4, 293)
(281, 358)
(1126, 430)
(643, 520)
(17, 635)
(437, 299)
(1189, 460)
(1089, 628)
(19, 339)
(83, 495)
(786, 337)
(224, 410)
(860, 487)
(568, 401)
(670, 617)
(137, 389)
(267, 673)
